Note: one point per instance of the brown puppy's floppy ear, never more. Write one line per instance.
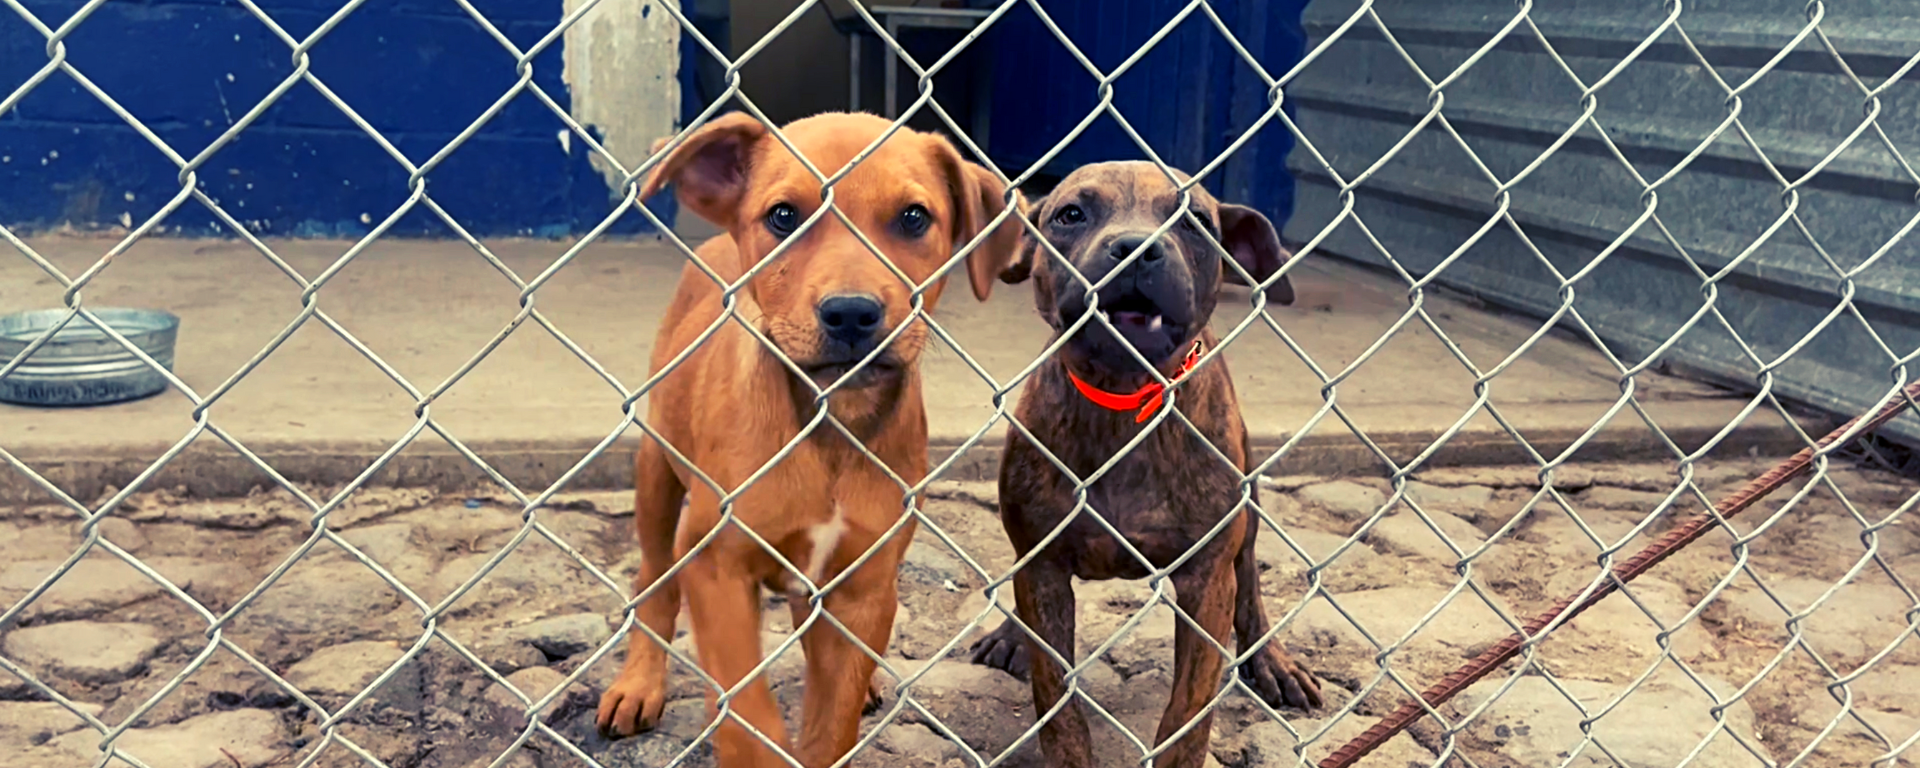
(1021, 266)
(978, 196)
(709, 169)
(1250, 238)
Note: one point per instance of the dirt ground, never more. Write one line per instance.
(117, 644)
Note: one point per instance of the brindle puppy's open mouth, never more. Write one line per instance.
(1143, 324)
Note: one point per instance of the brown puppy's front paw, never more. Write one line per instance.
(631, 705)
(1278, 680)
(873, 696)
(1005, 649)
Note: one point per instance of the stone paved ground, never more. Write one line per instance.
(110, 639)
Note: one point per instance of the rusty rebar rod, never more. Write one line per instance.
(1640, 563)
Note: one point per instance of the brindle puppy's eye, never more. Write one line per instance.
(782, 219)
(1069, 215)
(914, 221)
(1195, 220)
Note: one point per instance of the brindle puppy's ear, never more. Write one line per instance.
(709, 169)
(979, 197)
(1033, 261)
(1250, 238)
(1021, 266)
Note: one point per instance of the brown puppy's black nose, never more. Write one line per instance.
(850, 318)
(1128, 243)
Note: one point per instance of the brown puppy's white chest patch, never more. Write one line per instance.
(823, 539)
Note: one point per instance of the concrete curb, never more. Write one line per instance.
(210, 469)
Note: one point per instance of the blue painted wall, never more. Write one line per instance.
(1189, 98)
(417, 70)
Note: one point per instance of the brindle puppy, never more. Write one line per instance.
(1090, 400)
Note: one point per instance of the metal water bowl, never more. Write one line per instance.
(82, 366)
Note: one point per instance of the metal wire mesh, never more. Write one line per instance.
(1450, 728)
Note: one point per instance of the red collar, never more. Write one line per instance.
(1147, 398)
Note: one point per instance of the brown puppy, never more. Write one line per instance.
(1088, 401)
(828, 303)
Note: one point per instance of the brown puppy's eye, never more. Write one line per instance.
(914, 221)
(1069, 215)
(782, 219)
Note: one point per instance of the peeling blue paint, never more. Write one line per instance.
(418, 71)
(344, 230)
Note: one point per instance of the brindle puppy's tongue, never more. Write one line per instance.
(1135, 321)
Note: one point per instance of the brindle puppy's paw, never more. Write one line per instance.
(1279, 681)
(1005, 649)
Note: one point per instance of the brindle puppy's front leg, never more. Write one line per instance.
(1204, 589)
(1271, 673)
(1043, 598)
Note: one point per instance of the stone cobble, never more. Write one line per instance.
(1355, 579)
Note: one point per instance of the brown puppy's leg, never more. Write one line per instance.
(1271, 673)
(724, 600)
(798, 608)
(1043, 597)
(632, 704)
(1204, 589)
(839, 673)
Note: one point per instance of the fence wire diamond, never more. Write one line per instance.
(1706, 650)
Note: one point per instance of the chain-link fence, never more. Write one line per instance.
(1788, 640)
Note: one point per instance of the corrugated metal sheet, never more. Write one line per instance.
(1361, 98)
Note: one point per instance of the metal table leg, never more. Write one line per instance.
(982, 100)
(893, 70)
(853, 72)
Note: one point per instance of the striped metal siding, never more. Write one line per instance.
(1360, 98)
